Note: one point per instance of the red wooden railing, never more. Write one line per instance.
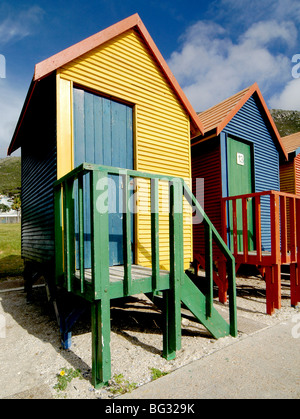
(284, 231)
(284, 211)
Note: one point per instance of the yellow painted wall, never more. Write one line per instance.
(64, 126)
(125, 69)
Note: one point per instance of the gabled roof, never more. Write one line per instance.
(215, 119)
(46, 67)
(291, 144)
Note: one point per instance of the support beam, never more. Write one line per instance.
(172, 298)
(101, 359)
(172, 324)
(273, 288)
(295, 284)
(223, 281)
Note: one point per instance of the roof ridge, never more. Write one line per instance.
(225, 100)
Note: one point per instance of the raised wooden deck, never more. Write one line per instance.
(141, 281)
(116, 273)
(283, 229)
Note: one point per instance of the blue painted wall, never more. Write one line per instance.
(39, 172)
(249, 125)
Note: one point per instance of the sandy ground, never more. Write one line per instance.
(31, 356)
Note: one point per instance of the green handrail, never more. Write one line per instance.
(212, 234)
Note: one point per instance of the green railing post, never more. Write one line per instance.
(99, 234)
(101, 364)
(209, 269)
(68, 208)
(58, 233)
(81, 231)
(126, 236)
(232, 298)
(172, 337)
(155, 234)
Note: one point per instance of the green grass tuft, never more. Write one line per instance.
(11, 263)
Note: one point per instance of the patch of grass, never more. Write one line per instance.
(156, 373)
(118, 385)
(10, 176)
(11, 263)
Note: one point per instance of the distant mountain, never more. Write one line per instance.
(10, 176)
(287, 122)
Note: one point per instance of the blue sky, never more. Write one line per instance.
(214, 48)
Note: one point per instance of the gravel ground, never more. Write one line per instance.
(31, 356)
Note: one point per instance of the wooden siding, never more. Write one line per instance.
(249, 125)
(38, 174)
(206, 164)
(297, 174)
(287, 177)
(124, 69)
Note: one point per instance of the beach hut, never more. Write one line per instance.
(290, 169)
(105, 141)
(238, 157)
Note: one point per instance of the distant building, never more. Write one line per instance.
(9, 217)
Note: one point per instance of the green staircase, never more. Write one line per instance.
(197, 303)
(100, 283)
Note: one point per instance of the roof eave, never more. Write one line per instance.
(272, 123)
(236, 108)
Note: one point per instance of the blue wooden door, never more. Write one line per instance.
(103, 135)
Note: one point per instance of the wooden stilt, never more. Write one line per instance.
(172, 325)
(273, 288)
(223, 282)
(101, 359)
(277, 286)
(295, 284)
(172, 302)
(269, 290)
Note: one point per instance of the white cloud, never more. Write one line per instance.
(264, 32)
(246, 12)
(210, 66)
(18, 25)
(11, 102)
(289, 98)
